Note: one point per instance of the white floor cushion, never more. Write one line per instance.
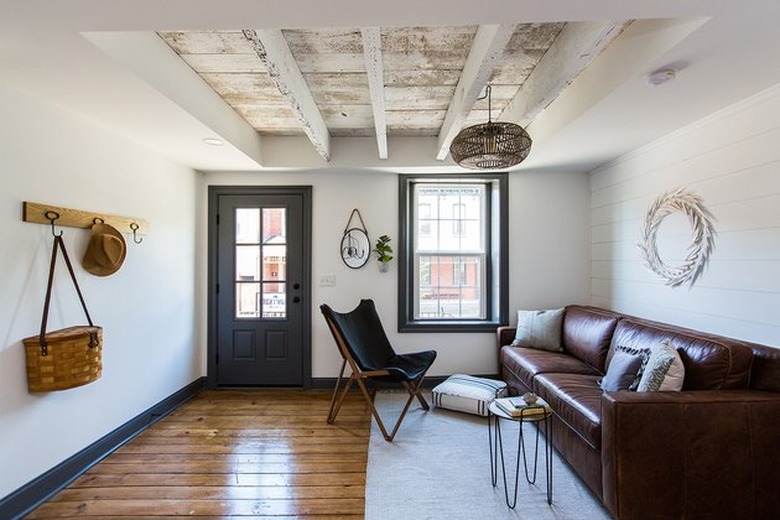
(468, 394)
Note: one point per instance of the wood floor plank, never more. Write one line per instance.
(305, 446)
(257, 423)
(226, 479)
(191, 508)
(221, 408)
(226, 467)
(265, 431)
(233, 458)
(210, 492)
(238, 453)
(314, 516)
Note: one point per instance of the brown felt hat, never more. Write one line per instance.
(106, 250)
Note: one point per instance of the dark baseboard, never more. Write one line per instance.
(43, 487)
(327, 383)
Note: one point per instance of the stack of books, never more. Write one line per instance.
(517, 407)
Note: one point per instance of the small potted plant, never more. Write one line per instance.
(383, 252)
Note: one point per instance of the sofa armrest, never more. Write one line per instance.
(705, 454)
(504, 336)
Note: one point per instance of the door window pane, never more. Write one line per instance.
(274, 270)
(247, 263)
(247, 300)
(274, 224)
(247, 225)
(274, 263)
(274, 300)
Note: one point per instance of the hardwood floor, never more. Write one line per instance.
(259, 454)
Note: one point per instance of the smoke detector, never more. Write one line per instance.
(661, 76)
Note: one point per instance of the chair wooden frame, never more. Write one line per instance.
(360, 377)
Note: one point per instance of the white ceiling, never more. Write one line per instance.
(104, 61)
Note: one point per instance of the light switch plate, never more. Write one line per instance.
(327, 280)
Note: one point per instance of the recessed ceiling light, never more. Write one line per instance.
(661, 76)
(213, 141)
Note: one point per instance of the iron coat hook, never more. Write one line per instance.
(135, 227)
(52, 216)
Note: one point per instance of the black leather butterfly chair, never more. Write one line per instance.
(363, 344)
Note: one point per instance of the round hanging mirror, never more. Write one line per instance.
(355, 248)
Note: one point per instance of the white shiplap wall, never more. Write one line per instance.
(732, 160)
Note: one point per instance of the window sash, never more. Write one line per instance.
(436, 299)
(454, 206)
(492, 250)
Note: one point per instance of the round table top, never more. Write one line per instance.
(496, 410)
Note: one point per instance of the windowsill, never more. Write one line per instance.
(450, 326)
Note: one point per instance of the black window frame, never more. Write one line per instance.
(497, 254)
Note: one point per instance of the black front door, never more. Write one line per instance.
(260, 297)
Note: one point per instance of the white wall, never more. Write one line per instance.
(732, 160)
(153, 310)
(549, 251)
(147, 308)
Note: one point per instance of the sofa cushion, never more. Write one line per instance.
(765, 371)
(587, 332)
(539, 329)
(525, 363)
(576, 400)
(711, 362)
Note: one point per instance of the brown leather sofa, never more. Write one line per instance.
(710, 451)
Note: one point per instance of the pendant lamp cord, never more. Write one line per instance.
(490, 108)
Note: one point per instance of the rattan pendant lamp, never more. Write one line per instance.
(490, 146)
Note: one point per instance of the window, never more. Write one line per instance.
(452, 252)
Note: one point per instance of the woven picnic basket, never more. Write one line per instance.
(64, 358)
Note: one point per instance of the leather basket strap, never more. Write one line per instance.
(59, 243)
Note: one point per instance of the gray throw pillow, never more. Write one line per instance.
(621, 373)
(539, 329)
(642, 353)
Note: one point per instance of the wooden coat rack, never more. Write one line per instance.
(40, 214)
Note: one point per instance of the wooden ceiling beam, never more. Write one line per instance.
(372, 51)
(486, 50)
(271, 47)
(572, 51)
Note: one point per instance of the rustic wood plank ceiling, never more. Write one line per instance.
(421, 74)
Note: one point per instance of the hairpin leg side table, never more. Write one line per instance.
(496, 441)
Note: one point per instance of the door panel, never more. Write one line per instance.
(260, 291)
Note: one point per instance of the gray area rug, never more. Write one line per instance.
(438, 467)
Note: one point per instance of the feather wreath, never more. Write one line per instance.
(703, 234)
